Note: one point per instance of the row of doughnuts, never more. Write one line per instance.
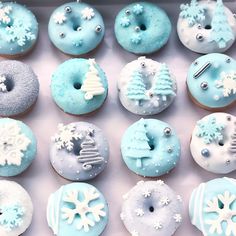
(142, 28)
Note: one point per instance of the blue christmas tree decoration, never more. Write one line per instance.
(221, 31)
(163, 84)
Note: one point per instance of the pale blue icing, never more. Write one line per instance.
(150, 147)
(216, 94)
(27, 156)
(85, 159)
(76, 35)
(57, 205)
(142, 28)
(21, 83)
(66, 96)
(18, 29)
(204, 194)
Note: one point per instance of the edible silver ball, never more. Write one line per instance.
(205, 152)
(137, 28)
(167, 131)
(127, 12)
(98, 28)
(204, 85)
(79, 28)
(228, 60)
(143, 64)
(68, 9)
(228, 118)
(195, 63)
(234, 15)
(199, 37)
(62, 35)
(227, 162)
(169, 149)
(199, 26)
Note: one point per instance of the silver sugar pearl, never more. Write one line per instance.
(68, 9)
(143, 64)
(204, 85)
(228, 118)
(228, 60)
(227, 162)
(127, 12)
(167, 131)
(205, 152)
(199, 37)
(137, 28)
(199, 26)
(62, 35)
(98, 28)
(169, 149)
(79, 28)
(195, 63)
(234, 15)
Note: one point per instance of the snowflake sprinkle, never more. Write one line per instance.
(125, 22)
(11, 216)
(4, 14)
(210, 130)
(146, 193)
(164, 201)
(134, 233)
(66, 135)
(177, 218)
(87, 13)
(139, 212)
(82, 208)
(158, 225)
(3, 87)
(59, 18)
(138, 9)
(136, 39)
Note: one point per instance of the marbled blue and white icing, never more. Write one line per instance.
(151, 208)
(212, 207)
(146, 87)
(16, 209)
(211, 81)
(206, 26)
(18, 29)
(79, 151)
(18, 147)
(17, 80)
(76, 28)
(142, 28)
(77, 209)
(150, 148)
(79, 86)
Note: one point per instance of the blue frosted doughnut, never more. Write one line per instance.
(18, 147)
(76, 28)
(212, 207)
(142, 28)
(77, 209)
(19, 88)
(79, 86)
(211, 81)
(150, 148)
(18, 29)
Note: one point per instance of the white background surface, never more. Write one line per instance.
(40, 179)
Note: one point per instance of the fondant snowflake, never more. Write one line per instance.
(160, 182)
(87, 13)
(20, 32)
(177, 218)
(59, 18)
(65, 136)
(12, 144)
(139, 212)
(164, 201)
(221, 206)
(3, 87)
(4, 14)
(193, 12)
(78, 43)
(82, 208)
(11, 216)
(158, 225)
(228, 83)
(136, 39)
(210, 130)
(146, 193)
(125, 22)
(137, 9)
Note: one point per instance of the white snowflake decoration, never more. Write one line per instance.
(59, 18)
(177, 218)
(160, 182)
(82, 208)
(139, 212)
(20, 32)
(146, 193)
(158, 225)
(65, 136)
(12, 144)
(4, 14)
(3, 87)
(134, 233)
(228, 83)
(87, 13)
(224, 214)
(164, 201)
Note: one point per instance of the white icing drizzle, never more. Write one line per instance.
(232, 147)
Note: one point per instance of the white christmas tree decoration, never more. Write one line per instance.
(3, 87)
(228, 83)
(164, 201)
(92, 85)
(177, 218)
(158, 225)
(13, 144)
(87, 13)
(65, 136)
(146, 193)
(59, 18)
(4, 14)
(222, 206)
(139, 212)
(83, 208)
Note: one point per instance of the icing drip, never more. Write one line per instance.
(232, 147)
(89, 154)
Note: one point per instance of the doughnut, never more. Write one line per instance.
(18, 29)
(76, 28)
(150, 148)
(77, 209)
(151, 208)
(211, 82)
(146, 87)
(18, 147)
(79, 151)
(206, 26)
(16, 209)
(212, 207)
(79, 86)
(17, 80)
(142, 28)
(213, 143)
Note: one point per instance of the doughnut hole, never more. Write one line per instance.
(76, 148)
(151, 142)
(221, 143)
(77, 85)
(75, 23)
(9, 83)
(151, 209)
